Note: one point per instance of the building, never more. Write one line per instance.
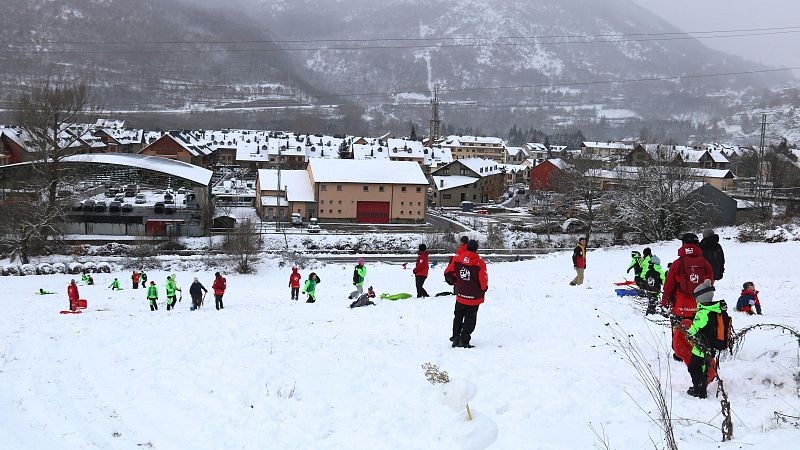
(537, 150)
(180, 146)
(334, 190)
(475, 180)
(544, 176)
(515, 155)
(12, 148)
(369, 191)
(605, 149)
(467, 147)
(719, 208)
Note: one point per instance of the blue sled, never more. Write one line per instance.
(627, 292)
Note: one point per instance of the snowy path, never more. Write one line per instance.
(270, 373)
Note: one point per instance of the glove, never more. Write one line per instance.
(629, 270)
(304, 292)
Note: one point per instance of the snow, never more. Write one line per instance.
(295, 183)
(172, 167)
(453, 181)
(366, 171)
(481, 166)
(297, 376)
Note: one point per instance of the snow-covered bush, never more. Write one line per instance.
(10, 270)
(75, 268)
(27, 269)
(59, 268)
(103, 267)
(44, 269)
(110, 249)
(90, 267)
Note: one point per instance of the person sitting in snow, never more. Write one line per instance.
(114, 286)
(364, 300)
(748, 301)
(310, 287)
(85, 277)
(89, 280)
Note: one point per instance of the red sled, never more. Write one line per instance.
(70, 312)
(82, 303)
(625, 283)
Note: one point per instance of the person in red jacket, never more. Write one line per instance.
(219, 286)
(421, 271)
(579, 262)
(467, 271)
(294, 283)
(463, 247)
(690, 270)
(72, 293)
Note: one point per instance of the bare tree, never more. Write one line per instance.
(26, 229)
(243, 243)
(586, 196)
(47, 115)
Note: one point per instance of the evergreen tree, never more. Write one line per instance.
(413, 135)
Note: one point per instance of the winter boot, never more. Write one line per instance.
(464, 342)
(676, 357)
(697, 391)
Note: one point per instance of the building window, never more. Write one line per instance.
(338, 187)
(403, 189)
(380, 188)
(340, 211)
(419, 203)
(323, 187)
(402, 203)
(419, 213)
(402, 212)
(446, 196)
(366, 188)
(340, 202)
(419, 189)
(330, 211)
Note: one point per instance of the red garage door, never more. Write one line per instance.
(372, 212)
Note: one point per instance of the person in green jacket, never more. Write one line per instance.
(651, 263)
(310, 287)
(636, 265)
(115, 285)
(702, 360)
(152, 295)
(143, 277)
(85, 277)
(171, 287)
(359, 275)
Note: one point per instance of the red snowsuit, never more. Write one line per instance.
(294, 278)
(72, 293)
(421, 268)
(468, 272)
(687, 272)
(219, 285)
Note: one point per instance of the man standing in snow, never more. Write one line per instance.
(579, 262)
(72, 294)
(713, 253)
(467, 271)
(683, 277)
(359, 275)
(196, 291)
(463, 247)
(421, 271)
(219, 286)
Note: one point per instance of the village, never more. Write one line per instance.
(190, 182)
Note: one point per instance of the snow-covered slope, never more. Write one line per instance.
(267, 372)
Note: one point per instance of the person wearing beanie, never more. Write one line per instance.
(73, 295)
(713, 252)
(467, 271)
(294, 283)
(579, 262)
(463, 247)
(702, 364)
(219, 286)
(421, 271)
(683, 277)
(359, 275)
(748, 300)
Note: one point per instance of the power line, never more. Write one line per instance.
(399, 39)
(373, 47)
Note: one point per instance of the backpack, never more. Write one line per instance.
(719, 329)
(356, 278)
(692, 276)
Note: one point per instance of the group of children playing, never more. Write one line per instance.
(310, 286)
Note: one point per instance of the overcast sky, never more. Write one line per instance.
(706, 15)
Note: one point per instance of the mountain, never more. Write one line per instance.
(111, 38)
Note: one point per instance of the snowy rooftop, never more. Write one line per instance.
(482, 166)
(166, 166)
(295, 183)
(450, 182)
(608, 145)
(516, 151)
(468, 141)
(366, 171)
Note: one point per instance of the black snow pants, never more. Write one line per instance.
(295, 293)
(466, 316)
(218, 302)
(698, 369)
(421, 292)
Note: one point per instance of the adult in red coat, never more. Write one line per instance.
(421, 271)
(463, 247)
(72, 293)
(467, 272)
(219, 286)
(690, 270)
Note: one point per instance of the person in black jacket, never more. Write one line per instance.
(713, 253)
(197, 290)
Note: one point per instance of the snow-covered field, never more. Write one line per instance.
(267, 372)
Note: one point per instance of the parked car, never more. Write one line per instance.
(170, 209)
(140, 198)
(131, 190)
(313, 225)
(110, 193)
(467, 206)
(88, 205)
(158, 208)
(127, 208)
(77, 206)
(169, 199)
(100, 207)
(114, 207)
(297, 219)
(182, 191)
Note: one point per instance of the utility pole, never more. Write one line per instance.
(278, 197)
(436, 122)
(761, 195)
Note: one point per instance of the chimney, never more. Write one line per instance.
(441, 182)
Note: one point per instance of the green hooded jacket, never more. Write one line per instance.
(310, 287)
(701, 321)
(362, 274)
(152, 293)
(171, 287)
(115, 285)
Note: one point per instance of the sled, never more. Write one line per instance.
(393, 297)
(82, 303)
(69, 312)
(627, 292)
(625, 283)
(44, 293)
